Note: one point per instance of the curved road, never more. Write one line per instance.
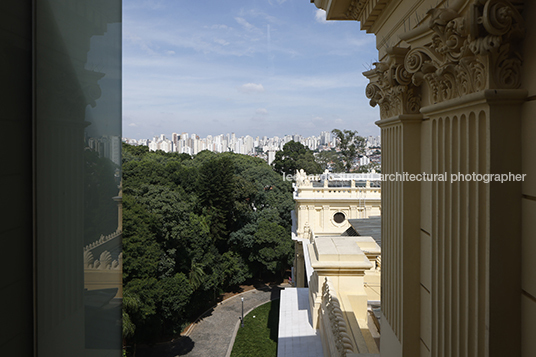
(212, 335)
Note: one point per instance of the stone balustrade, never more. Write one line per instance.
(336, 338)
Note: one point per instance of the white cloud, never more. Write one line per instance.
(218, 27)
(144, 45)
(214, 87)
(238, 42)
(144, 5)
(307, 125)
(251, 88)
(221, 41)
(260, 14)
(320, 16)
(245, 24)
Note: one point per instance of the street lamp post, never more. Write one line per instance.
(242, 312)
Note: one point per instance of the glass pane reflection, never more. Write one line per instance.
(78, 156)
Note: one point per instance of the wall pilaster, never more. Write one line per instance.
(401, 229)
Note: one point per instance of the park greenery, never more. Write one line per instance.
(258, 337)
(293, 157)
(194, 227)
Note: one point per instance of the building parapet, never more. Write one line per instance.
(339, 186)
(104, 247)
(104, 273)
(328, 176)
(338, 193)
(102, 240)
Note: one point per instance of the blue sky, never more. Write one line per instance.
(252, 67)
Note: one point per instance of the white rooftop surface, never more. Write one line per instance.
(297, 337)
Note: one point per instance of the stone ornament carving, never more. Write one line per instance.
(391, 86)
(88, 259)
(302, 180)
(104, 262)
(467, 53)
(307, 233)
(338, 325)
(355, 9)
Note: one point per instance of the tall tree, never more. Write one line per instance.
(194, 226)
(295, 156)
(351, 146)
(369, 167)
(131, 305)
(330, 160)
(196, 275)
(216, 187)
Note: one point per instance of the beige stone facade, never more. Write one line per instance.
(340, 268)
(325, 205)
(455, 85)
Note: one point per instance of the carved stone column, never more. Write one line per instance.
(399, 99)
(461, 68)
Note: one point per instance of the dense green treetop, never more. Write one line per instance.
(295, 156)
(193, 227)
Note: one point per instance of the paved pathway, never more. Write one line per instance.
(212, 335)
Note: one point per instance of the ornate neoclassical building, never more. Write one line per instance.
(337, 267)
(456, 87)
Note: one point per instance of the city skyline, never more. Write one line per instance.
(264, 147)
(249, 67)
(226, 142)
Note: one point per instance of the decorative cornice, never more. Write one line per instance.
(467, 53)
(355, 9)
(365, 11)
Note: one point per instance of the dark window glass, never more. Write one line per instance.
(339, 217)
(78, 157)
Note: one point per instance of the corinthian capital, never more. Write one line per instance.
(465, 53)
(391, 86)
